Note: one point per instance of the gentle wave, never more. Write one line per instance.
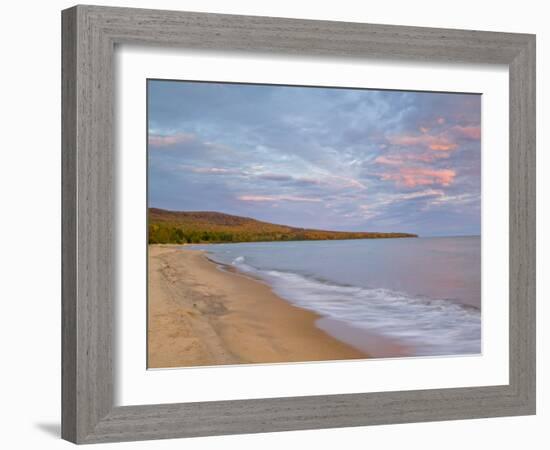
(429, 326)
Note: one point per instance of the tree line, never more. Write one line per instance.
(168, 233)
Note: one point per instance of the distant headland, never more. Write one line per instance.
(195, 227)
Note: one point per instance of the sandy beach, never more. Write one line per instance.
(200, 315)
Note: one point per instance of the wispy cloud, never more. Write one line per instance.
(440, 142)
(378, 205)
(259, 173)
(420, 176)
(216, 171)
(472, 133)
(398, 159)
(277, 198)
(170, 140)
(274, 176)
(459, 199)
(317, 158)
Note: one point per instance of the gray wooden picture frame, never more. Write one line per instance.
(90, 34)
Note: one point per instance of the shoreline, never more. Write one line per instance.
(373, 345)
(200, 315)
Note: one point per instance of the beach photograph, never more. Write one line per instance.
(292, 224)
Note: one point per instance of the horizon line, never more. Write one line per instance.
(318, 229)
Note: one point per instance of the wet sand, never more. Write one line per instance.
(200, 315)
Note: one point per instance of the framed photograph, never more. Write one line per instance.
(278, 224)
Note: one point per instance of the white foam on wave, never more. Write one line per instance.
(238, 260)
(429, 326)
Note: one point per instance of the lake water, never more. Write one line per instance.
(422, 294)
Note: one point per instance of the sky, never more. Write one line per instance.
(326, 158)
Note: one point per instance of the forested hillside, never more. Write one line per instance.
(180, 227)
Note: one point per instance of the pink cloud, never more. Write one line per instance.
(390, 160)
(157, 140)
(420, 176)
(402, 158)
(445, 141)
(470, 133)
(276, 198)
(443, 146)
(438, 143)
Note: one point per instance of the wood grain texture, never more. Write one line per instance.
(522, 281)
(68, 226)
(89, 36)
